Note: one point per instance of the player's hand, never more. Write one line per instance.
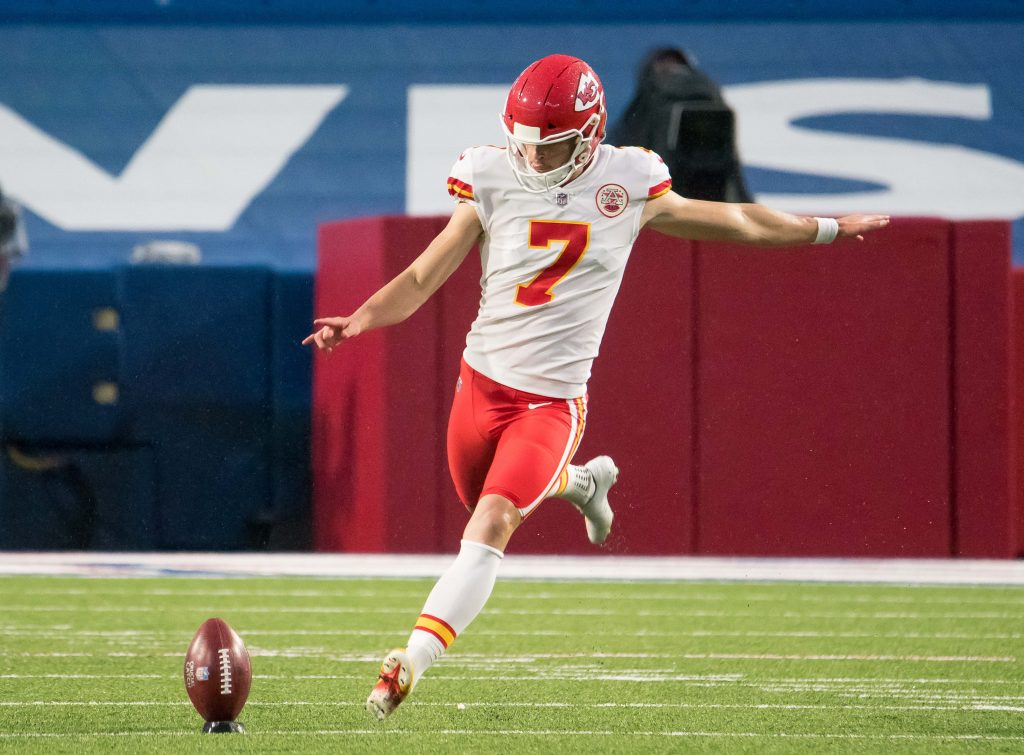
(331, 331)
(855, 226)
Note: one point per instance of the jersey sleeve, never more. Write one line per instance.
(460, 179)
(660, 182)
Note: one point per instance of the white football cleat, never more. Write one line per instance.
(596, 510)
(393, 686)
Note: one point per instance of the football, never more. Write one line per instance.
(218, 672)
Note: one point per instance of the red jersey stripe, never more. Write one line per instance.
(662, 188)
(459, 188)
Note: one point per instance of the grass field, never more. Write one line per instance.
(94, 665)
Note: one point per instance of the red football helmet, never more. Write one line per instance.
(555, 99)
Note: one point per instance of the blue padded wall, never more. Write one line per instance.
(52, 356)
(205, 444)
(104, 499)
(291, 387)
(197, 345)
(197, 368)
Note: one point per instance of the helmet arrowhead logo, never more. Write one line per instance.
(587, 93)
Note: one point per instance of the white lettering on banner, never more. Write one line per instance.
(442, 121)
(213, 152)
(921, 178)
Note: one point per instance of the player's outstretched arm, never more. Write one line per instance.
(749, 223)
(408, 290)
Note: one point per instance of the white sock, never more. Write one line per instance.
(575, 485)
(459, 595)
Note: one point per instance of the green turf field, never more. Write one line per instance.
(95, 665)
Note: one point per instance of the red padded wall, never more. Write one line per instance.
(759, 402)
(459, 298)
(1017, 402)
(823, 386)
(375, 450)
(985, 522)
(381, 404)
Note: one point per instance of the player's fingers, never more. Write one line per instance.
(334, 322)
(865, 219)
(316, 338)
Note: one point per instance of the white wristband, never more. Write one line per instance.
(828, 229)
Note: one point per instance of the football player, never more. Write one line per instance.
(555, 214)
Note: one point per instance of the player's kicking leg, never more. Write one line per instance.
(587, 488)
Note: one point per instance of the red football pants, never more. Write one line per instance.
(509, 442)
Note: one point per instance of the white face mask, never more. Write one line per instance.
(535, 181)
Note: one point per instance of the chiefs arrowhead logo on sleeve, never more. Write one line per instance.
(587, 93)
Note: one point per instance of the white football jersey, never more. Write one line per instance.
(552, 263)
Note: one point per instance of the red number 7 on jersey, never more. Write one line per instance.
(544, 233)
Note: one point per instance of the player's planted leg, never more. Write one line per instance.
(393, 685)
(459, 595)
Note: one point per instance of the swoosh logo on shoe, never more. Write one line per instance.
(538, 406)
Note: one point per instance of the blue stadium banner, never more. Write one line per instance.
(243, 138)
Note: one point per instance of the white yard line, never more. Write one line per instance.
(88, 677)
(155, 637)
(951, 706)
(390, 733)
(618, 568)
(74, 635)
(815, 684)
(683, 611)
(580, 593)
(496, 660)
(865, 737)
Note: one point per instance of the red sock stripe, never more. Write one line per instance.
(428, 630)
(440, 628)
(442, 622)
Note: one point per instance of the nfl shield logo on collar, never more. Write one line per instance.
(562, 199)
